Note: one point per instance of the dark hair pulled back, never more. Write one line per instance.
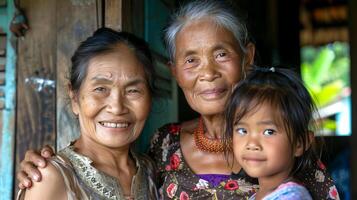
(105, 40)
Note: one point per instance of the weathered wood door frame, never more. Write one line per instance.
(8, 102)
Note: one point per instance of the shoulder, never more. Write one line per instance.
(171, 131)
(51, 186)
(290, 191)
(168, 132)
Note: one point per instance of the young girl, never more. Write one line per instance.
(268, 120)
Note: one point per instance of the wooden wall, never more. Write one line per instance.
(36, 93)
(75, 22)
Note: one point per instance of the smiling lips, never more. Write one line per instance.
(115, 125)
(213, 93)
(253, 159)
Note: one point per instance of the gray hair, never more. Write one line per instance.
(215, 10)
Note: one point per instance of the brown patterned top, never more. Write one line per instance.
(178, 181)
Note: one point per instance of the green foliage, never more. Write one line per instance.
(325, 71)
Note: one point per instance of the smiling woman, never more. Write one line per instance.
(113, 101)
(210, 53)
(110, 92)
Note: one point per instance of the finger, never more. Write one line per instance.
(35, 159)
(47, 151)
(31, 171)
(25, 182)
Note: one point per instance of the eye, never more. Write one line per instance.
(190, 60)
(133, 91)
(100, 89)
(269, 132)
(241, 131)
(221, 56)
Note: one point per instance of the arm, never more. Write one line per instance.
(52, 185)
(29, 167)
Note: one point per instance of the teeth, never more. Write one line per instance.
(114, 125)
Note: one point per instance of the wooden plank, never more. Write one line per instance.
(75, 22)
(2, 78)
(353, 55)
(125, 15)
(2, 105)
(2, 45)
(35, 119)
(133, 17)
(113, 14)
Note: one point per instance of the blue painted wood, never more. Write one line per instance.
(156, 18)
(164, 107)
(7, 140)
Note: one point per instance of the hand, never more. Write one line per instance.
(28, 167)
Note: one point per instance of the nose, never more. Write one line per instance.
(252, 147)
(253, 144)
(209, 70)
(116, 104)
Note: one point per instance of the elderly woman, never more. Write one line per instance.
(109, 88)
(210, 53)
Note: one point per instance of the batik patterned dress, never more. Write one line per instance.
(178, 181)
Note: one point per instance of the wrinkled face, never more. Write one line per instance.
(261, 145)
(207, 65)
(114, 99)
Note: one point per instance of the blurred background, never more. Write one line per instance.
(38, 37)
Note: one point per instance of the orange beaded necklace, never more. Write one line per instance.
(206, 144)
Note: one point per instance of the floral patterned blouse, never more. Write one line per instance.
(178, 181)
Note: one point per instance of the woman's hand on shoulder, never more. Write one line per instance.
(52, 185)
(29, 167)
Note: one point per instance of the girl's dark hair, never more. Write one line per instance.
(290, 101)
(105, 40)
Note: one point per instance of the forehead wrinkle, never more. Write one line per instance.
(101, 79)
(135, 81)
(222, 43)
